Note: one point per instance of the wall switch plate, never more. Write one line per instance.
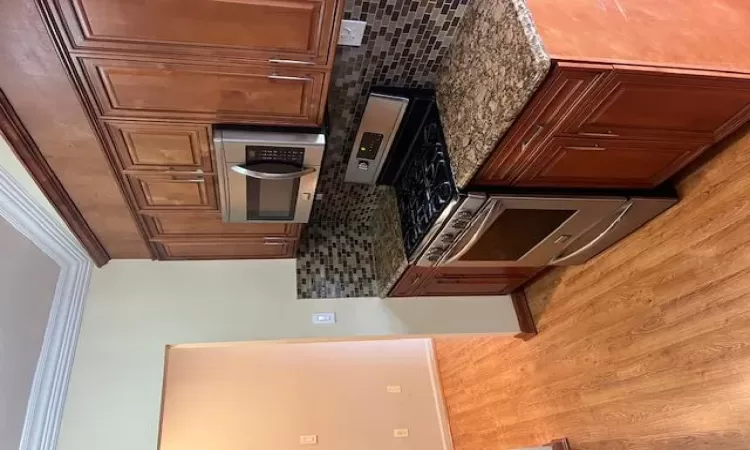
(393, 389)
(323, 318)
(401, 432)
(310, 439)
(352, 32)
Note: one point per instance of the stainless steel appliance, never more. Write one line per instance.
(267, 176)
(486, 230)
(380, 122)
(442, 226)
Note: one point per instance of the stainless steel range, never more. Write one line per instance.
(442, 226)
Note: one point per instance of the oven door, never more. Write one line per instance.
(526, 231)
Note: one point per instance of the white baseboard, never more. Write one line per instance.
(437, 388)
(47, 396)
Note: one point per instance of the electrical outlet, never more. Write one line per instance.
(401, 432)
(393, 389)
(310, 439)
(323, 318)
(352, 32)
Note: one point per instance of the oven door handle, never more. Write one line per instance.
(248, 172)
(623, 210)
(483, 219)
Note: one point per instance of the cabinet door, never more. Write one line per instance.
(445, 281)
(299, 30)
(560, 93)
(173, 191)
(225, 249)
(161, 146)
(409, 283)
(255, 94)
(178, 224)
(641, 104)
(606, 163)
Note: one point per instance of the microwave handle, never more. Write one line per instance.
(484, 222)
(246, 171)
(623, 210)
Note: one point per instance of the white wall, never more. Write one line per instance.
(265, 395)
(28, 278)
(136, 308)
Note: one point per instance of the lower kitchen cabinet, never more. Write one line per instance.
(455, 281)
(269, 248)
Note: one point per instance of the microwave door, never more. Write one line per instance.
(526, 231)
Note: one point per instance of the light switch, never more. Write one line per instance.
(324, 318)
(393, 389)
(401, 432)
(310, 439)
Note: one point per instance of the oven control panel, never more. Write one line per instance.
(446, 243)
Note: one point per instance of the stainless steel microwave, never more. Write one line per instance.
(267, 176)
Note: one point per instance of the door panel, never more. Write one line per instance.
(161, 146)
(658, 104)
(166, 224)
(167, 191)
(256, 94)
(611, 163)
(238, 249)
(282, 29)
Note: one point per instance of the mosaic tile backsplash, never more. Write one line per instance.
(403, 46)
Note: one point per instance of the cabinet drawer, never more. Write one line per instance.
(225, 249)
(609, 163)
(161, 146)
(470, 285)
(256, 94)
(561, 92)
(166, 224)
(284, 29)
(173, 191)
(643, 103)
(409, 282)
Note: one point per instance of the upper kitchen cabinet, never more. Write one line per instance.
(260, 94)
(283, 32)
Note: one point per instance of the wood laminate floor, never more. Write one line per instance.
(645, 347)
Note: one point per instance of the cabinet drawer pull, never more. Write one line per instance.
(537, 131)
(290, 61)
(585, 148)
(192, 180)
(284, 77)
(607, 134)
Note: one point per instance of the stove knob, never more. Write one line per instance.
(434, 254)
(460, 224)
(466, 214)
(447, 238)
(363, 165)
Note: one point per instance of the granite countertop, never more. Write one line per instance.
(493, 67)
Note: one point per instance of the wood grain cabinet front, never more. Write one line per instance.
(198, 224)
(173, 191)
(449, 281)
(161, 145)
(261, 94)
(226, 249)
(292, 30)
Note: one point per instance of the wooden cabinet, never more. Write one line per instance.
(180, 224)
(226, 249)
(297, 30)
(260, 94)
(605, 163)
(448, 281)
(641, 104)
(605, 126)
(161, 146)
(173, 191)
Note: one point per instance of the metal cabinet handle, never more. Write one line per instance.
(625, 208)
(607, 134)
(585, 147)
(192, 180)
(244, 170)
(288, 78)
(290, 61)
(531, 139)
